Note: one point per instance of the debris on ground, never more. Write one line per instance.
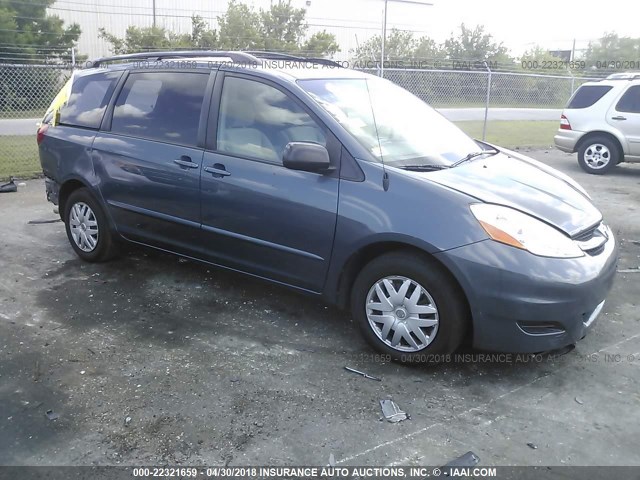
(392, 412)
(127, 421)
(51, 415)
(42, 222)
(579, 401)
(469, 459)
(365, 375)
(9, 187)
(332, 460)
(630, 270)
(532, 446)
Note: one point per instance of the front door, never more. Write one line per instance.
(258, 216)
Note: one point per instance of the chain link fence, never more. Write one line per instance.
(25, 93)
(477, 89)
(508, 108)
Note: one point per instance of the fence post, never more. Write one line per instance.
(573, 80)
(486, 107)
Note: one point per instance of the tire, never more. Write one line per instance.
(598, 155)
(442, 330)
(87, 227)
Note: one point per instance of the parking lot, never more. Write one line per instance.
(151, 359)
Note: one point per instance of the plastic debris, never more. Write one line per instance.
(392, 412)
(469, 459)
(51, 415)
(127, 420)
(365, 375)
(579, 401)
(532, 445)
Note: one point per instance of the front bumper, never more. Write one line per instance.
(523, 303)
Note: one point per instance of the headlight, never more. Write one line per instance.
(511, 227)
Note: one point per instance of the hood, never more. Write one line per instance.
(521, 184)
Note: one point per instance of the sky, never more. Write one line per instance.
(552, 24)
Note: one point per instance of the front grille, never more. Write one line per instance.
(592, 240)
(587, 234)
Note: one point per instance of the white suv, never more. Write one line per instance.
(602, 123)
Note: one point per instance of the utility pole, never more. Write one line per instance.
(384, 26)
(154, 13)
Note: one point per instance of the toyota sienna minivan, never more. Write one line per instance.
(332, 182)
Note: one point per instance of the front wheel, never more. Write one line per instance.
(408, 307)
(87, 227)
(598, 155)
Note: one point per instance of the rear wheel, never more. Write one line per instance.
(87, 227)
(598, 155)
(409, 307)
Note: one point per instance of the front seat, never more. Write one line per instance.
(238, 134)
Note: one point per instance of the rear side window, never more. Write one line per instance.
(88, 101)
(587, 95)
(630, 101)
(161, 106)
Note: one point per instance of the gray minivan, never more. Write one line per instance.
(335, 183)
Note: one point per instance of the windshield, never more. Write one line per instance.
(391, 123)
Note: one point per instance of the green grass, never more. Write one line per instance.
(510, 134)
(18, 156)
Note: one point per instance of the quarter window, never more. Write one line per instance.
(630, 101)
(588, 95)
(257, 121)
(161, 106)
(88, 101)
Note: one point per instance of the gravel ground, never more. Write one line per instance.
(151, 359)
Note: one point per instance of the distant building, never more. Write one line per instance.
(351, 21)
(565, 55)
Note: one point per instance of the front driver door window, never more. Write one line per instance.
(257, 121)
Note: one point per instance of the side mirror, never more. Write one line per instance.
(305, 156)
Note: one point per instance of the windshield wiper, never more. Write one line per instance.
(423, 168)
(473, 155)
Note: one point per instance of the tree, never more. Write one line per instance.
(474, 45)
(282, 27)
(201, 35)
(611, 49)
(428, 49)
(32, 34)
(400, 45)
(539, 57)
(239, 28)
(145, 39)
(320, 44)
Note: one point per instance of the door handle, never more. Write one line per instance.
(185, 161)
(619, 117)
(217, 170)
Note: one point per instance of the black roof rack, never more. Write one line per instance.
(293, 58)
(237, 57)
